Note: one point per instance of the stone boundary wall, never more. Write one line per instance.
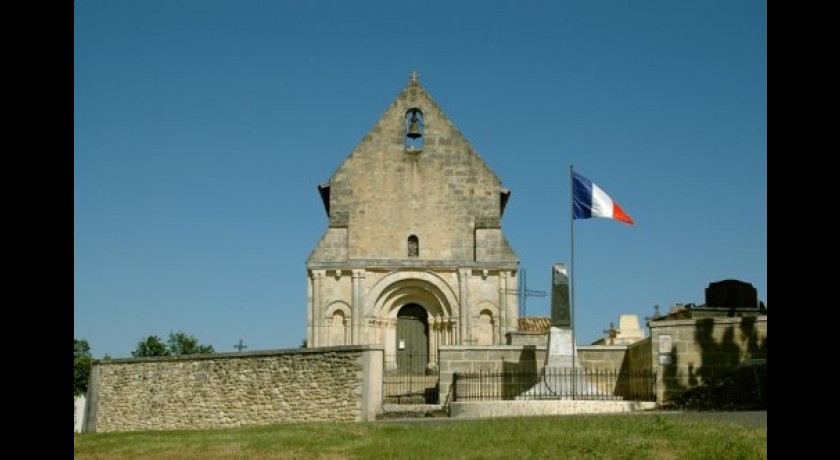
(613, 359)
(638, 356)
(603, 357)
(236, 389)
(690, 352)
(700, 349)
(471, 358)
(78, 413)
(517, 358)
(345, 382)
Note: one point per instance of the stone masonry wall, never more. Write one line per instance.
(429, 210)
(602, 357)
(698, 350)
(517, 358)
(638, 356)
(690, 352)
(236, 389)
(437, 193)
(78, 412)
(464, 358)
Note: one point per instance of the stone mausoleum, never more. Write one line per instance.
(414, 256)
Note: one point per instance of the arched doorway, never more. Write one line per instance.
(412, 339)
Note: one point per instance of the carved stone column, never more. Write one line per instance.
(434, 335)
(317, 309)
(464, 310)
(499, 331)
(310, 308)
(358, 301)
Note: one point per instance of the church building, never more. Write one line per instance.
(414, 256)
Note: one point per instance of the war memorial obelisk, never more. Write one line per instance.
(562, 376)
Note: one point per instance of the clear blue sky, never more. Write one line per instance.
(202, 129)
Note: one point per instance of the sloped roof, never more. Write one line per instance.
(534, 324)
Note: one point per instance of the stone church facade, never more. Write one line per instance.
(414, 256)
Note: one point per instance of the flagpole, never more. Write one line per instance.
(572, 271)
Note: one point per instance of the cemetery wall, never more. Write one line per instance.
(638, 356)
(690, 352)
(235, 389)
(516, 358)
(345, 382)
(78, 412)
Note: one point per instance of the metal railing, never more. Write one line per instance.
(555, 384)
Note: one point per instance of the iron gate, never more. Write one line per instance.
(410, 379)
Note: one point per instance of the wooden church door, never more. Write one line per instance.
(412, 339)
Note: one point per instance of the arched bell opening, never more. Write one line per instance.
(414, 127)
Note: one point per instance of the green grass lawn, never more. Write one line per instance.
(648, 436)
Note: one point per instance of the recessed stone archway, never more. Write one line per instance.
(400, 287)
(425, 290)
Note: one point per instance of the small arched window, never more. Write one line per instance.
(414, 127)
(338, 329)
(485, 328)
(413, 246)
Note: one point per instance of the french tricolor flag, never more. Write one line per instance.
(589, 200)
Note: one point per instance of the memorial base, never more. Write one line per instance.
(562, 377)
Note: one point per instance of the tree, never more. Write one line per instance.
(182, 344)
(81, 366)
(179, 344)
(150, 346)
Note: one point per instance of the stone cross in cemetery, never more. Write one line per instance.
(612, 333)
(523, 292)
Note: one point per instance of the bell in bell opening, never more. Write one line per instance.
(414, 126)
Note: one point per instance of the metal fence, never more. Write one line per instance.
(410, 380)
(554, 384)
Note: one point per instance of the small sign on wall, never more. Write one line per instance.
(401, 345)
(665, 343)
(664, 359)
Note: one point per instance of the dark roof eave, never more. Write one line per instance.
(324, 191)
(505, 195)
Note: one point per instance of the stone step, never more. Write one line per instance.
(403, 411)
